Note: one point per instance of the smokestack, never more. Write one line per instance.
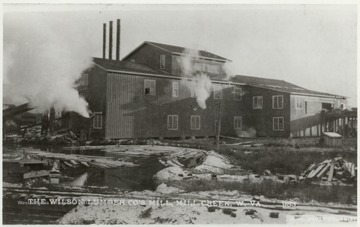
(104, 41)
(110, 40)
(118, 39)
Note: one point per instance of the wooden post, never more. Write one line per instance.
(317, 130)
(219, 128)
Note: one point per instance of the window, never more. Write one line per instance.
(195, 122)
(197, 67)
(175, 89)
(306, 107)
(237, 94)
(162, 61)
(217, 92)
(278, 123)
(298, 103)
(149, 87)
(213, 69)
(172, 122)
(257, 102)
(277, 102)
(237, 122)
(97, 121)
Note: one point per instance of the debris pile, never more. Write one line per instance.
(60, 137)
(335, 171)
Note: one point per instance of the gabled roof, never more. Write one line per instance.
(124, 66)
(179, 51)
(279, 85)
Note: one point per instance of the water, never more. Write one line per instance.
(125, 178)
(136, 178)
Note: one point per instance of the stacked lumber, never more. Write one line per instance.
(331, 170)
(72, 160)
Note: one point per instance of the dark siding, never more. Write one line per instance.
(262, 119)
(97, 98)
(150, 56)
(132, 114)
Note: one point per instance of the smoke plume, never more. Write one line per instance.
(198, 82)
(229, 70)
(43, 58)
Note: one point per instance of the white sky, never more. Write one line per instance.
(313, 46)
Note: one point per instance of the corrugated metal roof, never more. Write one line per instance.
(277, 85)
(124, 66)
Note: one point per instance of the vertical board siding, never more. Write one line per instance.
(132, 114)
(304, 121)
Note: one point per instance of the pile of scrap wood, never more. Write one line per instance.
(72, 160)
(335, 171)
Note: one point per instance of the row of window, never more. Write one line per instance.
(150, 89)
(195, 122)
(197, 66)
(277, 102)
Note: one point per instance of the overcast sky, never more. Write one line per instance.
(313, 46)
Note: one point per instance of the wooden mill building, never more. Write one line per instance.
(145, 96)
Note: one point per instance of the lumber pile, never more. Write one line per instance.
(331, 170)
(73, 160)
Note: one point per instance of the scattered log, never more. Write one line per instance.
(35, 174)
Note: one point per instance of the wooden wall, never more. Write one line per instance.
(150, 56)
(262, 119)
(97, 98)
(306, 121)
(132, 114)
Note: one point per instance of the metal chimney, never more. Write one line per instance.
(110, 40)
(118, 39)
(104, 40)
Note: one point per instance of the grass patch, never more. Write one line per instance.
(282, 160)
(271, 189)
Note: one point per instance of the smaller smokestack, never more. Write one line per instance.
(104, 40)
(110, 39)
(118, 39)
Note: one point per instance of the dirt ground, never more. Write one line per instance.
(229, 186)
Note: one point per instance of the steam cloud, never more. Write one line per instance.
(198, 83)
(43, 58)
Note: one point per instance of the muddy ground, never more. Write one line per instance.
(174, 185)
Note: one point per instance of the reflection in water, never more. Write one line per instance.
(127, 178)
(80, 181)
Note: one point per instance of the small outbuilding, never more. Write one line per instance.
(332, 139)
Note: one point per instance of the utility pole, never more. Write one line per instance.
(219, 127)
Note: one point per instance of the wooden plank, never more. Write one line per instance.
(311, 167)
(313, 173)
(331, 172)
(41, 173)
(74, 162)
(353, 170)
(323, 170)
(68, 164)
(85, 164)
